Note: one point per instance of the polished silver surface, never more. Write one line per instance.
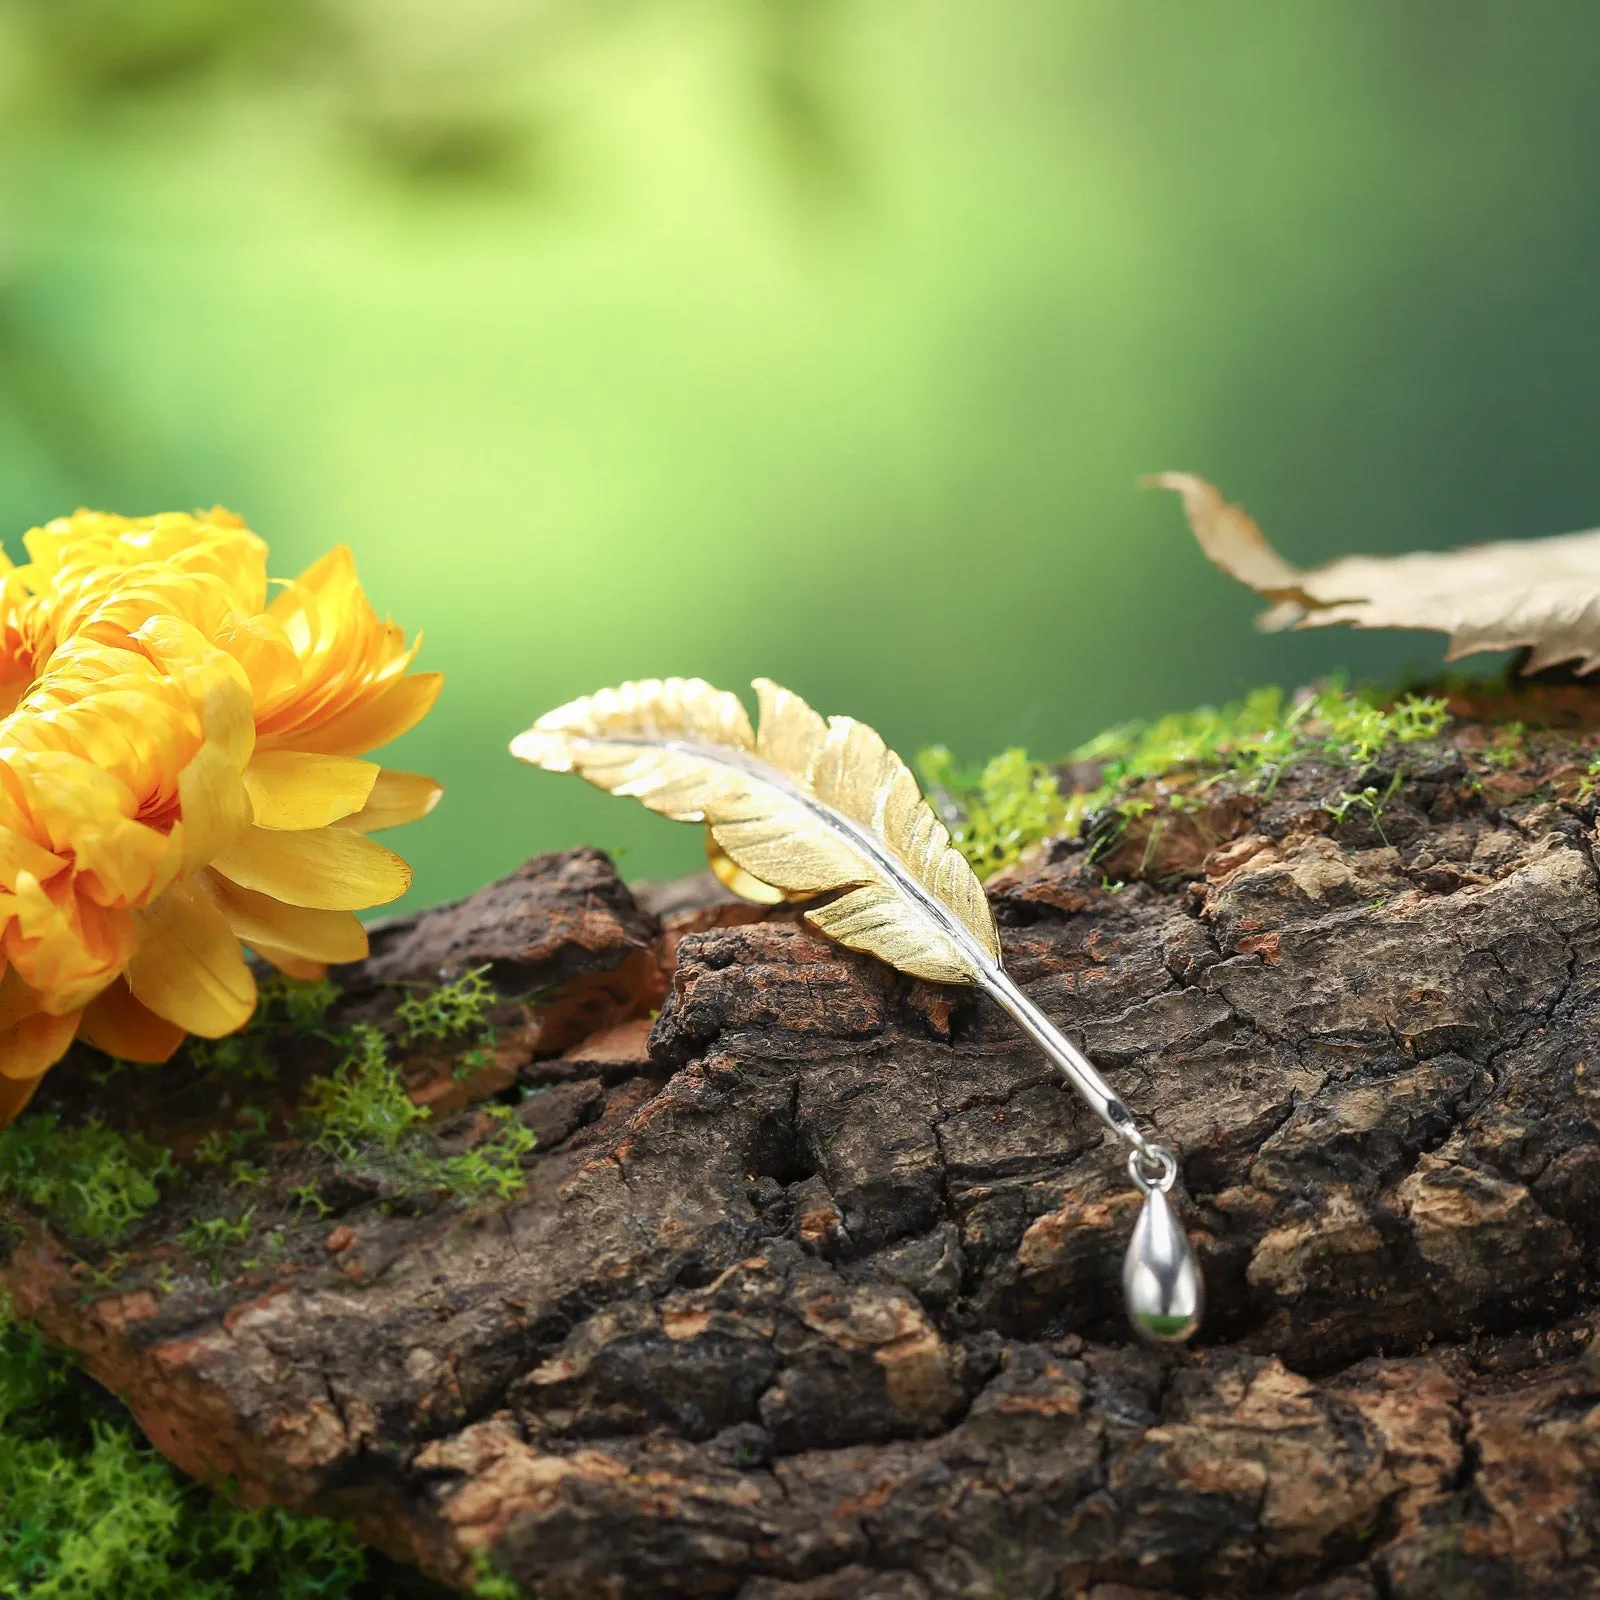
(1160, 1277)
(1068, 1060)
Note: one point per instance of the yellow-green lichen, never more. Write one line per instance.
(1259, 736)
(1590, 782)
(1510, 747)
(490, 1583)
(362, 1102)
(454, 1010)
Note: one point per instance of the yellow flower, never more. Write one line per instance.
(180, 772)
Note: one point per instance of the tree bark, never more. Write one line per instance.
(813, 1290)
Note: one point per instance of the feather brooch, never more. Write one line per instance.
(820, 810)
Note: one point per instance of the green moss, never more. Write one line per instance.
(362, 1103)
(1510, 747)
(471, 1062)
(91, 1182)
(295, 1003)
(999, 810)
(212, 1233)
(88, 1511)
(211, 1239)
(493, 1168)
(1261, 734)
(490, 1583)
(453, 1008)
(308, 1198)
(216, 1148)
(361, 1112)
(223, 1147)
(1590, 782)
(1371, 799)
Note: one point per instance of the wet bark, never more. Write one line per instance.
(813, 1288)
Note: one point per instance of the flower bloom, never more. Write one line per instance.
(180, 772)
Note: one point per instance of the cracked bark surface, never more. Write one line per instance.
(813, 1290)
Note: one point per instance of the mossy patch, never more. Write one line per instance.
(362, 1102)
(1590, 781)
(490, 1583)
(245, 1185)
(460, 1007)
(91, 1182)
(998, 811)
(88, 1511)
(360, 1114)
(458, 1010)
(1258, 737)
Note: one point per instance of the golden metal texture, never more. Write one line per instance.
(804, 807)
(735, 879)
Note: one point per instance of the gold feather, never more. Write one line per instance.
(734, 878)
(804, 807)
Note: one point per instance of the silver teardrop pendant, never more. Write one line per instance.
(1160, 1277)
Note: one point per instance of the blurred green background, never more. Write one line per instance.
(824, 339)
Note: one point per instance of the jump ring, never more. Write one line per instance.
(1152, 1166)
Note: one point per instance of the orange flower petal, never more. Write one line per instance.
(32, 1046)
(396, 798)
(371, 723)
(209, 677)
(314, 935)
(293, 965)
(189, 968)
(296, 789)
(259, 646)
(20, 854)
(139, 673)
(331, 869)
(114, 1021)
(15, 1093)
(65, 946)
(215, 805)
(17, 1000)
(335, 570)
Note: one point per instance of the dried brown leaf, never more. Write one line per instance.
(1542, 595)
